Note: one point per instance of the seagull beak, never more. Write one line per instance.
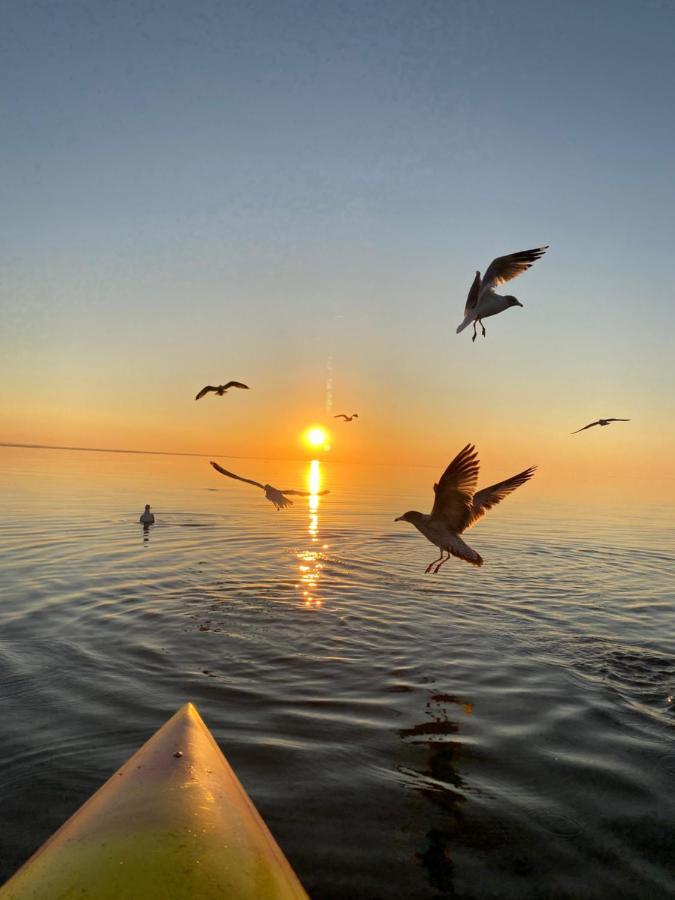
(519, 303)
(398, 520)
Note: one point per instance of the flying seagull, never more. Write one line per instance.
(599, 422)
(346, 417)
(220, 389)
(483, 300)
(274, 495)
(457, 506)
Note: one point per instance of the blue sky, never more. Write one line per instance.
(259, 186)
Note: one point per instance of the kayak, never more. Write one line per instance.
(173, 823)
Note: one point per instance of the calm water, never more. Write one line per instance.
(504, 732)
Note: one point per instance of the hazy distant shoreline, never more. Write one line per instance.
(200, 455)
(109, 450)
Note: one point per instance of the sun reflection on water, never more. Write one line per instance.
(310, 561)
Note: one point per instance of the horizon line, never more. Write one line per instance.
(195, 454)
(127, 450)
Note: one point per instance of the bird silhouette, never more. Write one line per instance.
(346, 417)
(457, 506)
(274, 495)
(220, 389)
(483, 301)
(599, 422)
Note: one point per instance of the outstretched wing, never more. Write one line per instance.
(455, 489)
(472, 298)
(205, 390)
(236, 384)
(341, 416)
(617, 420)
(238, 477)
(488, 497)
(504, 268)
(585, 427)
(306, 493)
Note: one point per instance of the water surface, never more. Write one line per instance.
(503, 732)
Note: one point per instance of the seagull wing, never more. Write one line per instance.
(585, 427)
(341, 416)
(205, 390)
(617, 420)
(504, 268)
(488, 497)
(472, 298)
(238, 477)
(455, 489)
(236, 384)
(307, 493)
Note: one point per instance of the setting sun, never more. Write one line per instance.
(316, 437)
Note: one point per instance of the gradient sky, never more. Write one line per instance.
(282, 192)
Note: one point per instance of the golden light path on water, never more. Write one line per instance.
(310, 560)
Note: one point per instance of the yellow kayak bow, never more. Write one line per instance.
(173, 823)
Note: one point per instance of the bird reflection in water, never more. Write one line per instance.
(438, 780)
(310, 561)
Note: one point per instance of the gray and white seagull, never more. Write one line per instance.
(458, 506)
(221, 389)
(483, 301)
(274, 495)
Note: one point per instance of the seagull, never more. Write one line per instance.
(220, 389)
(457, 506)
(147, 518)
(346, 417)
(483, 301)
(274, 495)
(599, 422)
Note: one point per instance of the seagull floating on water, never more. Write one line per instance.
(346, 417)
(599, 422)
(483, 301)
(147, 518)
(274, 495)
(457, 507)
(221, 389)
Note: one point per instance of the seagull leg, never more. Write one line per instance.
(482, 326)
(432, 564)
(474, 330)
(442, 561)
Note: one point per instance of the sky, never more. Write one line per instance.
(297, 195)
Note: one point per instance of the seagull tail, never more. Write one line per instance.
(459, 548)
(464, 325)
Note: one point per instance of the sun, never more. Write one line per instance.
(316, 437)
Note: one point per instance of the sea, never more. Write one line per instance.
(503, 732)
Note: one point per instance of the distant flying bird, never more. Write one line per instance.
(483, 301)
(221, 389)
(599, 422)
(457, 507)
(147, 518)
(346, 417)
(274, 495)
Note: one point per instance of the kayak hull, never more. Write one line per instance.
(173, 823)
